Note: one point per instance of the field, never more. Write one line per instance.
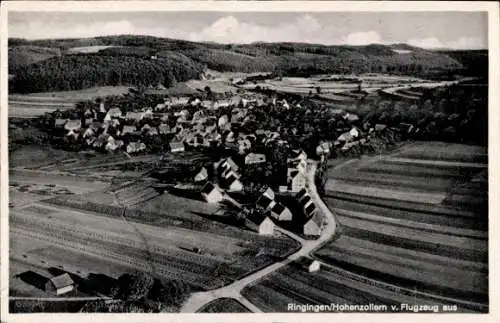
(417, 219)
(89, 232)
(36, 104)
(293, 284)
(224, 305)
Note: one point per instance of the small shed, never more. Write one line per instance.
(61, 284)
(309, 264)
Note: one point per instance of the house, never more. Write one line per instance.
(260, 222)
(202, 175)
(298, 164)
(136, 147)
(296, 180)
(253, 158)
(176, 146)
(135, 116)
(223, 121)
(74, 125)
(345, 137)
(225, 165)
(232, 183)
(129, 129)
(301, 194)
(113, 113)
(211, 193)
(269, 193)
(265, 202)
(354, 132)
(61, 284)
(314, 225)
(310, 209)
(281, 213)
(112, 144)
(351, 117)
(380, 127)
(73, 134)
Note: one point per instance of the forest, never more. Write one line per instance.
(49, 65)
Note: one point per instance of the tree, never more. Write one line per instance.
(134, 286)
(318, 89)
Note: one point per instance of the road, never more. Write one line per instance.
(198, 300)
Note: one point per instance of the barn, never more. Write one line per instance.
(61, 284)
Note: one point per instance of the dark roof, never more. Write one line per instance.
(263, 201)
(278, 208)
(310, 208)
(207, 188)
(296, 153)
(294, 173)
(62, 281)
(301, 193)
(305, 200)
(258, 217)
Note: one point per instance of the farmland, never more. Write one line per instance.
(416, 218)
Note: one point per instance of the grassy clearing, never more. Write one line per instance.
(445, 151)
(74, 96)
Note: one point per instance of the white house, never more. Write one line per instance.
(113, 113)
(128, 129)
(296, 180)
(314, 225)
(233, 184)
(74, 125)
(260, 222)
(281, 213)
(211, 193)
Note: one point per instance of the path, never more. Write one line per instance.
(198, 300)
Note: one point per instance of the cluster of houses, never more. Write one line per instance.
(267, 210)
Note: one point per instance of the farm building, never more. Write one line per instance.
(253, 158)
(260, 222)
(202, 175)
(308, 264)
(314, 225)
(323, 149)
(61, 284)
(281, 213)
(211, 193)
(176, 146)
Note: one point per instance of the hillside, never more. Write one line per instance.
(145, 60)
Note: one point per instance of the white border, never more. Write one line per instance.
(251, 6)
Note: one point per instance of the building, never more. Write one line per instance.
(136, 147)
(164, 128)
(260, 222)
(176, 146)
(135, 116)
(309, 264)
(129, 129)
(202, 175)
(211, 193)
(297, 154)
(253, 158)
(113, 113)
(296, 180)
(269, 193)
(314, 225)
(233, 184)
(281, 213)
(265, 202)
(61, 284)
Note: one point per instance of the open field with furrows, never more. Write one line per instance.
(225, 253)
(75, 184)
(417, 219)
(224, 305)
(293, 284)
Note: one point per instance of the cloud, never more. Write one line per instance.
(230, 30)
(362, 38)
(460, 43)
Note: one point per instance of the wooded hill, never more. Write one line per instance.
(54, 64)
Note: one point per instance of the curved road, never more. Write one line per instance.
(199, 299)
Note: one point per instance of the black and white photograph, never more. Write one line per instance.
(240, 161)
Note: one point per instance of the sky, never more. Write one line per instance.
(455, 30)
